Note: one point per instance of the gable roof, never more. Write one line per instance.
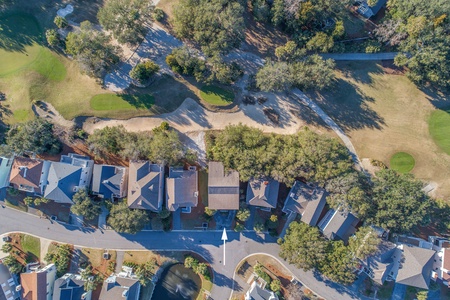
(382, 262)
(257, 293)
(145, 185)
(307, 201)
(109, 181)
(223, 188)
(68, 287)
(181, 189)
(263, 192)
(5, 168)
(115, 287)
(34, 285)
(416, 267)
(26, 174)
(63, 179)
(338, 225)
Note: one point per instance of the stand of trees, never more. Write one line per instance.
(126, 19)
(420, 29)
(84, 205)
(217, 26)
(161, 145)
(283, 157)
(92, 50)
(307, 249)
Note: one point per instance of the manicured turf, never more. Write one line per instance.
(216, 95)
(402, 162)
(121, 102)
(31, 244)
(439, 125)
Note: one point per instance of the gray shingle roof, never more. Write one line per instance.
(7, 284)
(263, 192)
(109, 181)
(68, 288)
(338, 225)
(145, 185)
(181, 189)
(307, 201)
(5, 168)
(223, 187)
(61, 182)
(381, 262)
(416, 267)
(114, 288)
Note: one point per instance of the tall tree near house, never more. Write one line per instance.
(400, 201)
(127, 220)
(364, 243)
(84, 205)
(127, 19)
(303, 246)
(339, 264)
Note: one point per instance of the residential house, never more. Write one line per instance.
(182, 189)
(27, 174)
(257, 293)
(109, 182)
(8, 290)
(123, 286)
(338, 225)
(263, 193)
(5, 169)
(145, 186)
(384, 264)
(307, 201)
(37, 283)
(441, 266)
(367, 10)
(66, 177)
(223, 187)
(415, 267)
(70, 287)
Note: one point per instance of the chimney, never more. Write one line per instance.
(266, 182)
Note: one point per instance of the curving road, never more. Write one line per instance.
(206, 243)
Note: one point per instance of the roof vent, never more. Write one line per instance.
(24, 169)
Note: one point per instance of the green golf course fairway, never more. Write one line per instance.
(402, 162)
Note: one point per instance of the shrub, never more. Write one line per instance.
(259, 227)
(61, 22)
(158, 14)
(275, 286)
(164, 213)
(239, 227)
(52, 37)
(142, 72)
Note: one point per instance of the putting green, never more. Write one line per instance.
(20, 48)
(402, 162)
(121, 102)
(216, 95)
(439, 126)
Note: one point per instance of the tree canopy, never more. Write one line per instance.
(312, 72)
(92, 49)
(161, 145)
(126, 19)
(217, 26)
(420, 29)
(36, 136)
(127, 220)
(400, 203)
(303, 246)
(142, 72)
(283, 157)
(84, 205)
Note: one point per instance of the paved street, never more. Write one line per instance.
(206, 243)
(360, 56)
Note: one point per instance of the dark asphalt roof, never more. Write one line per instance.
(223, 187)
(416, 267)
(68, 289)
(263, 192)
(114, 287)
(62, 180)
(340, 226)
(181, 189)
(107, 180)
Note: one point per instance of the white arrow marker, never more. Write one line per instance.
(224, 239)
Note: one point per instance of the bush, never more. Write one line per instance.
(184, 60)
(142, 72)
(61, 22)
(52, 37)
(259, 270)
(239, 227)
(164, 213)
(190, 262)
(158, 14)
(259, 227)
(275, 286)
(12, 191)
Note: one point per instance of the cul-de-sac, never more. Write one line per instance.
(224, 149)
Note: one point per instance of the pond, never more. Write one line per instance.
(177, 283)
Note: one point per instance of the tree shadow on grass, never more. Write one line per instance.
(439, 99)
(359, 71)
(18, 31)
(140, 101)
(348, 106)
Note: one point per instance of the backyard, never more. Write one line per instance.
(384, 113)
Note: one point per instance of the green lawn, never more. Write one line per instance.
(216, 95)
(31, 245)
(402, 162)
(439, 125)
(21, 115)
(121, 102)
